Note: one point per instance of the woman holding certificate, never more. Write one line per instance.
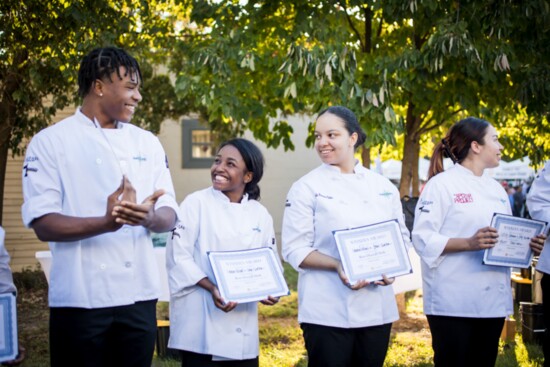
(342, 324)
(465, 301)
(209, 330)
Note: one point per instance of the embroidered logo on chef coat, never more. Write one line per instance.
(257, 229)
(287, 203)
(463, 198)
(178, 228)
(139, 158)
(28, 169)
(386, 194)
(423, 208)
(319, 195)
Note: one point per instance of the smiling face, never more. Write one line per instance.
(229, 173)
(491, 150)
(119, 96)
(333, 142)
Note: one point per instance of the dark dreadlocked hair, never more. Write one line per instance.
(101, 63)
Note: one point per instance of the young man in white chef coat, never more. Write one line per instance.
(95, 187)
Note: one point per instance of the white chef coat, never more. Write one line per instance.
(538, 203)
(6, 276)
(455, 204)
(318, 203)
(70, 168)
(210, 222)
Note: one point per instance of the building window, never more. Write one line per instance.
(197, 145)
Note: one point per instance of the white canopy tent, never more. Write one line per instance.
(392, 168)
(514, 170)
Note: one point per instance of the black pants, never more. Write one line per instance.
(465, 341)
(122, 336)
(190, 359)
(341, 347)
(545, 287)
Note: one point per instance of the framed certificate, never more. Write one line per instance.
(8, 328)
(514, 234)
(370, 251)
(248, 275)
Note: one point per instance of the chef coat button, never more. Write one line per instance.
(102, 266)
(238, 330)
(98, 160)
(128, 264)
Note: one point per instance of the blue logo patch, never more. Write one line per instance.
(28, 169)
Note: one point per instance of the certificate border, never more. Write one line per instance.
(404, 267)
(7, 301)
(497, 220)
(281, 288)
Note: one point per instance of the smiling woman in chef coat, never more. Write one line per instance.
(342, 325)
(224, 217)
(465, 301)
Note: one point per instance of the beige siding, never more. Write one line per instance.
(21, 242)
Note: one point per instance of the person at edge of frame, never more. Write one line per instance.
(451, 232)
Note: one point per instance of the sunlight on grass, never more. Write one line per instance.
(286, 307)
(408, 349)
(281, 342)
(517, 353)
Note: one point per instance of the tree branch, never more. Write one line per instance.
(343, 4)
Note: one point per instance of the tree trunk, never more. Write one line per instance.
(7, 117)
(365, 156)
(5, 136)
(3, 163)
(11, 80)
(409, 184)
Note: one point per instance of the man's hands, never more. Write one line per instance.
(123, 208)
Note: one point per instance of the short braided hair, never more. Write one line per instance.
(254, 161)
(101, 63)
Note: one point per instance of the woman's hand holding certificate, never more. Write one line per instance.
(515, 235)
(374, 253)
(248, 275)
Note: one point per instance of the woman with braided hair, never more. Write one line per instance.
(465, 301)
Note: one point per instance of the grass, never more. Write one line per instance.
(281, 342)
